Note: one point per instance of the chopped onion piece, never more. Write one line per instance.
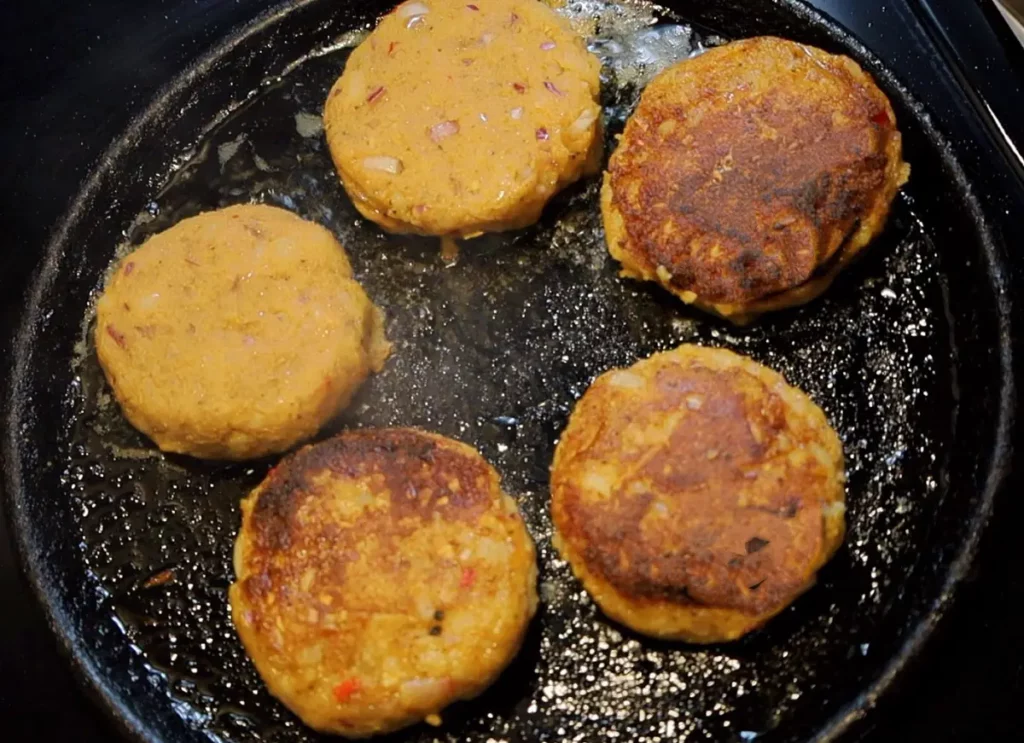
(552, 87)
(415, 21)
(516, 113)
(487, 39)
(519, 87)
(483, 117)
(542, 134)
(444, 130)
(384, 164)
(547, 46)
(412, 9)
(472, 7)
(584, 120)
(377, 93)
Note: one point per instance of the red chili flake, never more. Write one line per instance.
(472, 7)
(520, 88)
(377, 93)
(129, 267)
(513, 18)
(468, 578)
(467, 61)
(118, 337)
(881, 118)
(552, 87)
(542, 134)
(420, 208)
(391, 48)
(346, 689)
(191, 261)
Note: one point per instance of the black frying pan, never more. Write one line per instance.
(129, 552)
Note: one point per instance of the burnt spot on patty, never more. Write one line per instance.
(396, 480)
(421, 477)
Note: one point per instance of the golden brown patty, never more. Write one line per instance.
(750, 175)
(236, 333)
(696, 494)
(454, 119)
(381, 575)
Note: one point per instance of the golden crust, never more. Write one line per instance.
(236, 333)
(381, 575)
(750, 175)
(696, 494)
(464, 118)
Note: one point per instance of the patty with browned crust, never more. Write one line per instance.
(749, 176)
(381, 575)
(696, 494)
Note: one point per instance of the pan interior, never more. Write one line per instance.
(494, 351)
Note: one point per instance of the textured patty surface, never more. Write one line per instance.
(696, 494)
(236, 333)
(453, 119)
(750, 175)
(381, 575)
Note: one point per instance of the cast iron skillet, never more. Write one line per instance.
(129, 552)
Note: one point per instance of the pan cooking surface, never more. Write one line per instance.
(494, 351)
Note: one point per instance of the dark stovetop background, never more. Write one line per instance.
(74, 73)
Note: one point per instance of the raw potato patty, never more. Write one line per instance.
(696, 494)
(236, 333)
(381, 575)
(454, 119)
(749, 176)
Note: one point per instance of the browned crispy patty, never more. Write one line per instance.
(696, 494)
(750, 175)
(381, 575)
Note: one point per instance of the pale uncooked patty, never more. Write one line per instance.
(696, 494)
(381, 575)
(454, 119)
(236, 333)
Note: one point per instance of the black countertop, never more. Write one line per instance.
(76, 72)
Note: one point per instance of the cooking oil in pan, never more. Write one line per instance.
(494, 351)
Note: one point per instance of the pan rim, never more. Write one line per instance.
(71, 643)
